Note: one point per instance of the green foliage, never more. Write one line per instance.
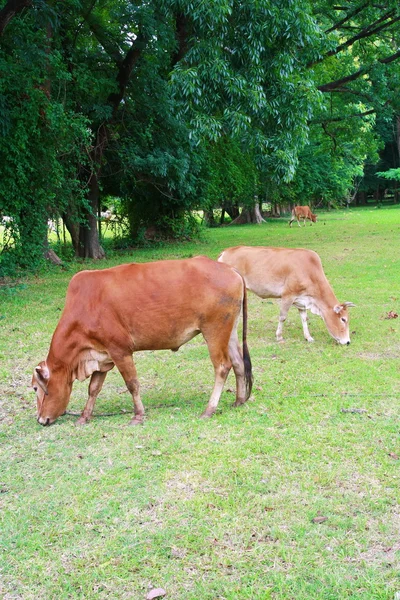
(230, 175)
(41, 146)
(390, 174)
(175, 107)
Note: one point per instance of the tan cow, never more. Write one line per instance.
(111, 313)
(302, 212)
(296, 277)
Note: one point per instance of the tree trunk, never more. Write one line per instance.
(249, 215)
(275, 210)
(73, 230)
(209, 218)
(232, 210)
(89, 241)
(48, 253)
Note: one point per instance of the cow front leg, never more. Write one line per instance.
(127, 368)
(285, 305)
(95, 385)
(304, 321)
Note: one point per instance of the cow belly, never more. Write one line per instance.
(264, 289)
(171, 340)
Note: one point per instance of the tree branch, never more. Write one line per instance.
(333, 85)
(104, 40)
(347, 18)
(323, 122)
(125, 70)
(368, 31)
(9, 11)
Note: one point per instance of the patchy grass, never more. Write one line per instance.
(226, 508)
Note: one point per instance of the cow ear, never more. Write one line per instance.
(337, 308)
(348, 304)
(42, 371)
(42, 374)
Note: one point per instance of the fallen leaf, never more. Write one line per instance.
(391, 315)
(393, 455)
(319, 519)
(156, 593)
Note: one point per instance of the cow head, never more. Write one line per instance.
(53, 391)
(313, 218)
(337, 322)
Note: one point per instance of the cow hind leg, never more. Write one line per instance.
(304, 321)
(95, 385)
(219, 354)
(126, 367)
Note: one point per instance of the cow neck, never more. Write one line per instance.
(325, 299)
(64, 351)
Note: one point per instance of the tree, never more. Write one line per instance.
(242, 81)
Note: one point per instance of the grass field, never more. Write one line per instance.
(223, 509)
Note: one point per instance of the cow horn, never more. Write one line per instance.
(348, 304)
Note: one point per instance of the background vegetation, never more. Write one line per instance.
(293, 496)
(174, 107)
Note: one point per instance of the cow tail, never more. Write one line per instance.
(248, 374)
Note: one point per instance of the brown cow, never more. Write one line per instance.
(111, 313)
(296, 277)
(302, 212)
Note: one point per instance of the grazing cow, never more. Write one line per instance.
(111, 313)
(302, 212)
(296, 277)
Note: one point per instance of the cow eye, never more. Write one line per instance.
(35, 388)
(343, 319)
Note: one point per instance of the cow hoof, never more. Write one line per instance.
(310, 339)
(81, 421)
(136, 421)
(206, 415)
(238, 402)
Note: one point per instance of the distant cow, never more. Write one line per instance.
(111, 313)
(302, 212)
(296, 277)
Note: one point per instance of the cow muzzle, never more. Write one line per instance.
(45, 421)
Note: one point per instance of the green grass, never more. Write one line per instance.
(220, 509)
